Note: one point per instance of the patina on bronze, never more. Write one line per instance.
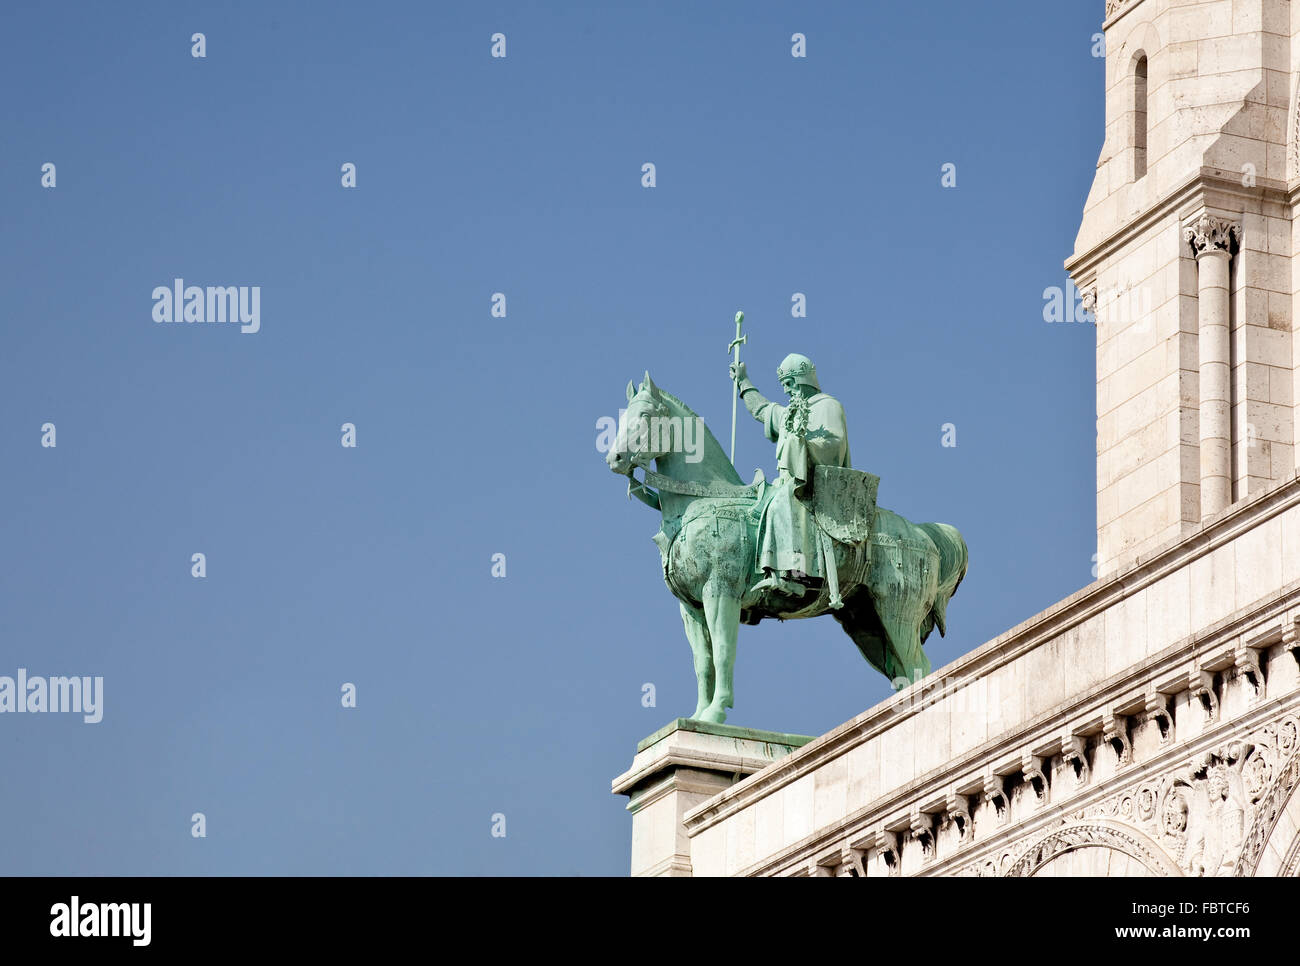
(811, 543)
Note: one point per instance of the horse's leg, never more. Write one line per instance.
(697, 632)
(722, 611)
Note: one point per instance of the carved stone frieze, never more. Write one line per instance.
(1210, 813)
(993, 866)
(1096, 834)
(1214, 813)
(1290, 863)
(1275, 771)
(1295, 131)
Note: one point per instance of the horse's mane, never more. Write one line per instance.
(665, 392)
(711, 441)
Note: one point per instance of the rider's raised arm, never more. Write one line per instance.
(764, 410)
(770, 414)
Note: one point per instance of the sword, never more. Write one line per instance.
(736, 344)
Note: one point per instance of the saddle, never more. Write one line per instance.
(842, 502)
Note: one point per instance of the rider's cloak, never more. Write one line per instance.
(787, 536)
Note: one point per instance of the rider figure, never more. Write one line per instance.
(809, 431)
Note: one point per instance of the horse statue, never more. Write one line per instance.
(889, 580)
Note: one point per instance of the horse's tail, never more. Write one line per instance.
(953, 560)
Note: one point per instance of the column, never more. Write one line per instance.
(1211, 240)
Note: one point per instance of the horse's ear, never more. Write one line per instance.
(631, 390)
(654, 390)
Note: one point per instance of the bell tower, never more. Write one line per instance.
(1185, 254)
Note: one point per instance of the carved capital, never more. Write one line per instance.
(1208, 234)
(1088, 301)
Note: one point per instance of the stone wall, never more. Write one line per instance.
(1213, 141)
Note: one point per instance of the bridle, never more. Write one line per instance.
(642, 489)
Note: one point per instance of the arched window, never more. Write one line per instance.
(1140, 118)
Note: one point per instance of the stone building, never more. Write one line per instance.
(1148, 724)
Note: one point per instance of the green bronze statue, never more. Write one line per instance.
(810, 432)
(812, 542)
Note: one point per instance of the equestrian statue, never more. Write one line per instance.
(812, 542)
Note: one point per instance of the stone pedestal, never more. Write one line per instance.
(678, 767)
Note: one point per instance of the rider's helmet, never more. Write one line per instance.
(801, 367)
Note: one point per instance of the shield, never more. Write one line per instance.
(844, 502)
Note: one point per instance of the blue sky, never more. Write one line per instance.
(476, 435)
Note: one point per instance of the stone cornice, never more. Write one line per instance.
(675, 747)
(626, 783)
(1042, 733)
(689, 725)
(1163, 762)
(1116, 9)
(1208, 188)
(1092, 600)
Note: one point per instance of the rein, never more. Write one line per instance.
(691, 488)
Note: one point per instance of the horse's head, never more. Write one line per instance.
(633, 445)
